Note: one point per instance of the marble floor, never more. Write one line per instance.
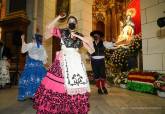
(118, 101)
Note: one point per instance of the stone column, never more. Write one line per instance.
(49, 8)
(35, 16)
(114, 27)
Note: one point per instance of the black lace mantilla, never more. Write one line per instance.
(68, 41)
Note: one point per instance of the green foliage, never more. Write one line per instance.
(119, 56)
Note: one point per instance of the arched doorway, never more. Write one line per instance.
(100, 26)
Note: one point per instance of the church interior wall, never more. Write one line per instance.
(48, 15)
(30, 14)
(82, 9)
(153, 36)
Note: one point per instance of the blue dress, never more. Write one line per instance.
(33, 71)
(30, 78)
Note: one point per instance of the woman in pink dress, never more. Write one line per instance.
(65, 88)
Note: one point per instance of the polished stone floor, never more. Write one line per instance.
(118, 101)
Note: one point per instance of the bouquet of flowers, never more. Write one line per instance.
(160, 83)
(120, 78)
(135, 45)
(123, 78)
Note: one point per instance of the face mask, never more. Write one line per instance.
(72, 26)
(95, 38)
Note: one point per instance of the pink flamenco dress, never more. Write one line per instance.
(65, 88)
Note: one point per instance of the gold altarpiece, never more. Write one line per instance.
(106, 17)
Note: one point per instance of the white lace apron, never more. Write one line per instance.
(75, 76)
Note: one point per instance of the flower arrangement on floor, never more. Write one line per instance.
(117, 60)
(160, 85)
(119, 78)
(119, 56)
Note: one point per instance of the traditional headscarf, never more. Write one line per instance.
(38, 39)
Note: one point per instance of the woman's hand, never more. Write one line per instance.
(62, 15)
(88, 44)
(73, 35)
(23, 38)
(80, 37)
